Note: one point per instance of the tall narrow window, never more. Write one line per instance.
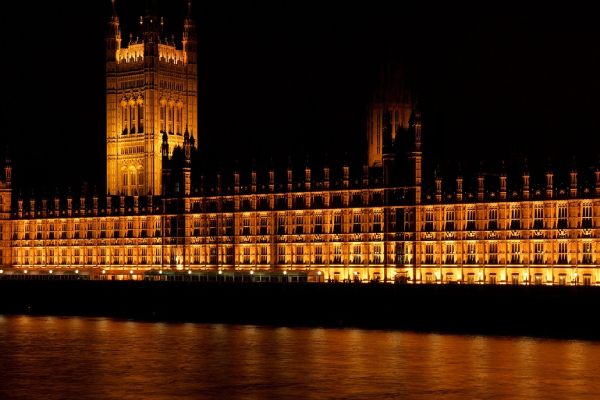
(538, 216)
(356, 226)
(357, 251)
(493, 256)
(471, 219)
(449, 219)
(140, 114)
(562, 252)
(449, 253)
(337, 254)
(539, 252)
(515, 252)
(562, 216)
(377, 222)
(471, 258)
(337, 223)
(515, 217)
(586, 215)
(587, 253)
(493, 219)
(299, 254)
(429, 220)
(318, 254)
(429, 253)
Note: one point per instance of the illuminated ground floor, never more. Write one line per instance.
(447, 274)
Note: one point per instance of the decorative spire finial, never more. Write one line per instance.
(189, 4)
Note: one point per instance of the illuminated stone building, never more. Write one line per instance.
(151, 90)
(328, 223)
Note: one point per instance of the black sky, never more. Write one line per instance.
(275, 79)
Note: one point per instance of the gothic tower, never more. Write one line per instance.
(392, 103)
(151, 89)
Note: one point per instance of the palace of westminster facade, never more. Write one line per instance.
(373, 223)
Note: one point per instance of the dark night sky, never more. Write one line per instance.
(276, 79)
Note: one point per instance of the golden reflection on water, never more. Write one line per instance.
(99, 358)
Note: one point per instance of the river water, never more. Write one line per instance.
(102, 358)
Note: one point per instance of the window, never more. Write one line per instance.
(196, 227)
(246, 226)
(586, 216)
(376, 254)
(537, 279)
(493, 256)
(357, 254)
(515, 217)
(299, 224)
(493, 219)
(356, 228)
(318, 255)
(587, 253)
(246, 258)
(470, 278)
(212, 225)
(514, 279)
(281, 224)
(264, 251)
(263, 225)
(299, 254)
(157, 255)
(377, 222)
(538, 249)
(196, 255)
(102, 229)
(229, 226)
(471, 219)
(492, 279)
(515, 253)
(116, 229)
(337, 223)
(229, 255)
(429, 253)
(538, 216)
(130, 228)
(337, 254)
(115, 252)
(318, 224)
(449, 277)
(449, 253)
(562, 216)
(214, 254)
(157, 227)
(281, 254)
(51, 230)
(587, 279)
(129, 255)
(562, 279)
(471, 253)
(562, 253)
(400, 253)
(429, 220)
(450, 219)
(428, 277)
